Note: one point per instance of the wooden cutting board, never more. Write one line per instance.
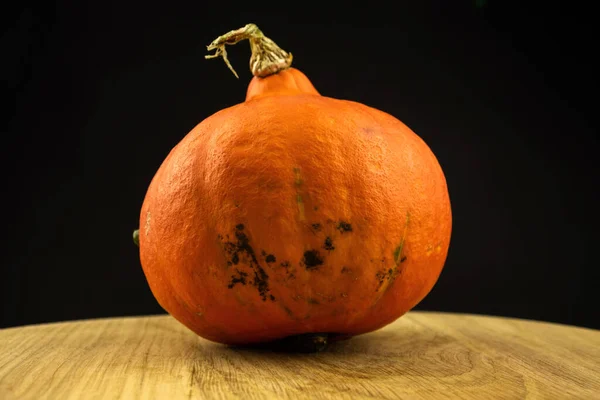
(423, 355)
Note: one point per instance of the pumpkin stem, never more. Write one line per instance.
(267, 58)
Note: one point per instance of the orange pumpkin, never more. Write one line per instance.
(293, 213)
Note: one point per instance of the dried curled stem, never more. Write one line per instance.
(267, 58)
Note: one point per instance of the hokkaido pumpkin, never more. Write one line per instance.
(293, 213)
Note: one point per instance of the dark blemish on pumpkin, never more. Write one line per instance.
(380, 276)
(239, 278)
(270, 258)
(346, 270)
(316, 208)
(288, 311)
(316, 227)
(328, 244)
(388, 275)
(403, 259)
(344, 226)
(242, 246)
(310, 300)
(261, 282)
(312, 259)
(264, 253)
(288, 270)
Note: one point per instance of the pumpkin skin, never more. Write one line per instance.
(294, 213)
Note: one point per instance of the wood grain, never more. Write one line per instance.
(421, 356)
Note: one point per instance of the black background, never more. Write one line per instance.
(503, 93)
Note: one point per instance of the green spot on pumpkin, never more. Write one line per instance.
(136, 237)
(297, 177)
(398, 258)
(398, 252)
